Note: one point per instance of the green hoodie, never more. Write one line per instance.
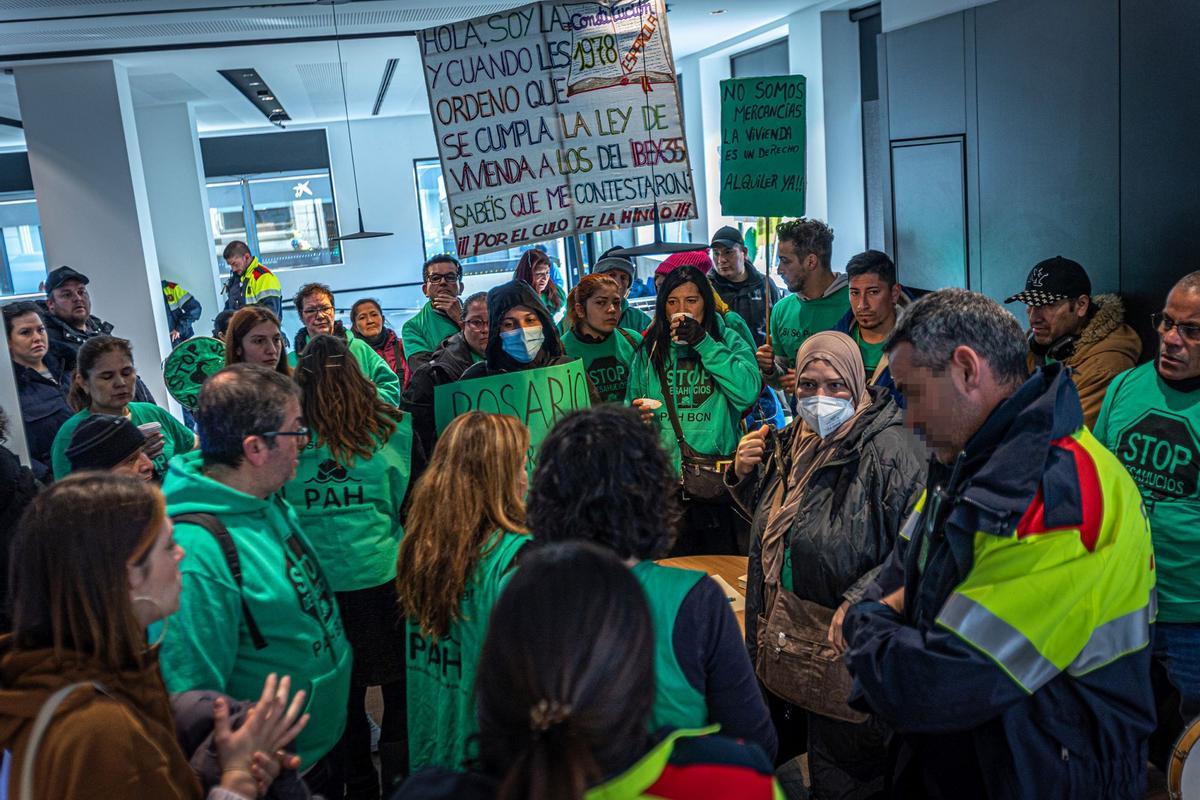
(737, 323)
(713, 385)
(794, 319)
(176, 437)
(633, 319)
(441, 674)
(607, 362)
(351, 513)
(206, 644)
(425, 331)
(373, 367)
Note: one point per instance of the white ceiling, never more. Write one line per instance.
(303, 75)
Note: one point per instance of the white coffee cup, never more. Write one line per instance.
(648, 403)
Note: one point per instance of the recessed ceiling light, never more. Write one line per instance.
(718, 11)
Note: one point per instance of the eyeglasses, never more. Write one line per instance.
(302, 433)
(476, 324)
(311, 310)
(1164, 324)
(434, 277)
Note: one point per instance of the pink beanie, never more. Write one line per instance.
(692, 258)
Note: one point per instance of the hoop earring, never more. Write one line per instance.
(166, 620)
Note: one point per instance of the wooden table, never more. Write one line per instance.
(728, 567)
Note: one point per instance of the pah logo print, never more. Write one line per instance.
(1161, 453)
(340, 495)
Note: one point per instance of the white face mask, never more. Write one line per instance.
(523, 344)
(825, 414)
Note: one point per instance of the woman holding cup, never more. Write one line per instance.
(104, 383)
(695, 378)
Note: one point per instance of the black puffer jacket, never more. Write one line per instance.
(746, 298)
(851, 512)
(445, 365)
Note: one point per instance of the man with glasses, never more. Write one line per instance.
(255, 600)
(314, 304)
(439, 318)
(1151, 421)
(1067, 324)
(445, 365)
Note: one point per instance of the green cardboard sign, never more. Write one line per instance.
(763, 146)
(538, 397)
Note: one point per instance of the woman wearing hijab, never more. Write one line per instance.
(827, 495)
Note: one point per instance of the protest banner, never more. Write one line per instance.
(538, 397)
(763, 146)
(557, 118)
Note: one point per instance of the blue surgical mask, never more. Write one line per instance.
(523, 344)
(825, 414)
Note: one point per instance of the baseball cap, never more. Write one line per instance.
(102, 442)
(59, 276)
(1052, 280)
(728, 237)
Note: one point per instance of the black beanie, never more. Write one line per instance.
(102, 442)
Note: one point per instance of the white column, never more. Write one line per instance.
(179, 213)
(10, 401)
(804, 56)
(842, 86)
(91, 193)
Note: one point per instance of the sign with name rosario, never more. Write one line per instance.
(763, 146)
(557, 118)
(538, 397)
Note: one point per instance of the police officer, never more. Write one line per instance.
(250, 283)
(182, 311)
(1007, 638)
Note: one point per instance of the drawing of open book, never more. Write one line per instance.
(617, 44)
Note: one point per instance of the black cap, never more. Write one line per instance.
(728, 237)
(1052, 280)
(608, 262)
(102, 442)
(58, 277)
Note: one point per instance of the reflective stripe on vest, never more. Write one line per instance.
(647, 770)
(1042, 600)
(259, 283)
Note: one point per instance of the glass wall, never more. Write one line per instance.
(22, 255)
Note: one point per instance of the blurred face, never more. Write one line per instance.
(541, 276)
(111, 383)
(1051, 322)
(368, 321)
(137, 465)
(819, 379)
(730, 262)
(475, 326)
(442, 280)
(686, 299)
(317, 314)
(28, 342)
(601, 313)
(873, 302)
(71, 303)
(237, 264)
(520, 317)
(154, 584)
(262, 345)
(939, 410)
(1179, 336)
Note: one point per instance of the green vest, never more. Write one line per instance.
(677, 704)
(176, 437)
(607, 362)
(441, 674)
(351, 514)
(794, 319)
(1154, 431)
(425, 331)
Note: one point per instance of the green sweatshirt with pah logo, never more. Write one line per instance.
(712, 385)
(207, 644)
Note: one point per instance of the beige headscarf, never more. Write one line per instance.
(809, 451)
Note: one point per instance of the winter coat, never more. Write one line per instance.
(66, 340)
(853, 508)
(17, 488)
(746, 298)
(114, 743)
(1105, 348)
(44, 409)
(391, 350)
(446, 365)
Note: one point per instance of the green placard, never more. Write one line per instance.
(763, 146)
(538, 397)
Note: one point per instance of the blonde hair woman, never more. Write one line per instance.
(464, 530)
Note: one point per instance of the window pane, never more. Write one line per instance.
(26, 263)
(295, 220)
(225, 213)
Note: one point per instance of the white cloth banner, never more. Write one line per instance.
(557, 118)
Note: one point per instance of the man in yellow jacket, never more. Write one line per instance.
(250, 283)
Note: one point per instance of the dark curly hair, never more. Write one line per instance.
(808, 236)
(603, 476)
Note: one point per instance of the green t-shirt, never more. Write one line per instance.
(441, 675)
(794, 319)
(607, 362)
(1154, 430)
(425, 331)
(872, 354)
(351, 514)
(176, 437)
